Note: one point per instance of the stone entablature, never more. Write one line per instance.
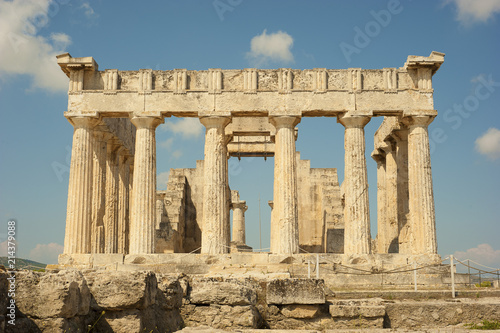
(187, 93)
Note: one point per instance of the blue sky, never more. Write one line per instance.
(35, 138)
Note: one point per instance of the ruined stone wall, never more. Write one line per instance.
(320, 209)
(170, 207)
(106, 301)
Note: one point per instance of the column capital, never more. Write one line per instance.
(146, 121)
(284, 121)
(83, 121)
(378, 156)
(239, 205)
(350, 121)
(215, 121)
(420, 121)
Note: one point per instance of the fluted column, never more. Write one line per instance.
(79, 209)
(285, 185)
(391, 228)
(401, 137)
(215, 231)
(356, 210)
(98, 192)
(111, 211)
(123, 200)
(239, 209)
(143, 198)
(380, 159)
(421, 203)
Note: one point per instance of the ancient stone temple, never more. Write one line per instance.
(114, 207)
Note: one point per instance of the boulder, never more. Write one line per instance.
(48, 295)
(218, 290)
(120, 291)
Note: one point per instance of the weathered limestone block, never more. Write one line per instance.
(442, 313)
(358, 313)
(171, 293)
(48, 295)
(222, 291)
(119, 291)
(221, 316)
(295, 291)
(302, 311)
(152, 319)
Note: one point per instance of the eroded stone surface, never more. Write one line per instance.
(222, 291)
(295, 291)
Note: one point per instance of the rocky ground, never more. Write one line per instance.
(107, 301)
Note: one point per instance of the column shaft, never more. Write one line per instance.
(79, 209)
(111, 213)
(285, 186)
(239, 209)
(391, 229)
(143, 198)
(403, 194)
(381, 218)
(421, 203)
(215, 231)
(123, 200)
(98, 192)
(356, 211)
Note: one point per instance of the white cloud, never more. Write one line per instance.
(483, 254)
(161, 180)
(46, 253)
(489, 143)
(88, 10)
(189, 128)
(23, 51)
(273, 47)
(176, 154)
(167, 144)
(471, 11)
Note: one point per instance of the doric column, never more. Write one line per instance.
(274, 237)
(391, 229)
(111, 211)
(123, 200)
(356, 210)
(215, 231)
(239, 209)
(380, 159)
(401, 137)
(285, 185)
(421, 203)
(98, 192)
(143, 198)
(79, 209)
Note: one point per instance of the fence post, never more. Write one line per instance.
(317, 266)
(452, 276)
(415, 275)
(468, 271)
